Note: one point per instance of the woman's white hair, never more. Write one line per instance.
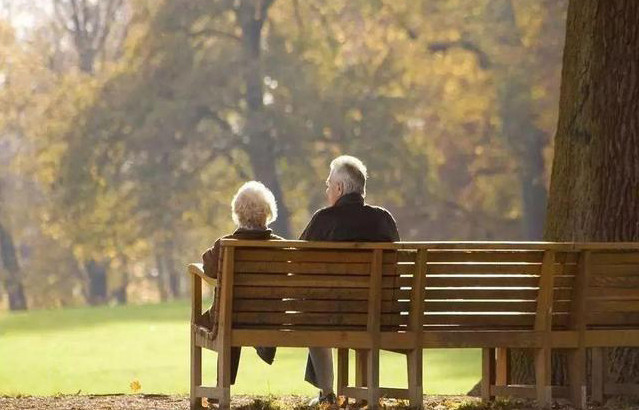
(351, 173)
(253, 206)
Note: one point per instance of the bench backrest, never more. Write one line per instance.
(493, 289)
(302, 286)
(304, 289)
(612, 294)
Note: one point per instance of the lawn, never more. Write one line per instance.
(106, 349)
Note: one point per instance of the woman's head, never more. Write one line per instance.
(253, 206)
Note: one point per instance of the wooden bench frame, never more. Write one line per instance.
(576, 336)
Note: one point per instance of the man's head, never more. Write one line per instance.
(348, 175)
(253, 206)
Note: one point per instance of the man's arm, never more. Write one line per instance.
(392, 227)
(312, 232)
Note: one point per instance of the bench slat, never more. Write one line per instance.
(481, 306)
(484, 268)
(311, 268)
(614, 306)
(306, 318)
(612, 318)
(301, 280)
(614, 281)
(481, 320)
(482, 281)
(485, 256)
(615, 258)
(612, 294)
(316, 293)
(348, 306)
(481, 293)
(615, 270)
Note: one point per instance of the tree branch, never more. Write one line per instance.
(443, 46)
(213, 32)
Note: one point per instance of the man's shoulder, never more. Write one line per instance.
(379, 210)
(323, 213)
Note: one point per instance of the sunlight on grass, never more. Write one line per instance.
(104, 350)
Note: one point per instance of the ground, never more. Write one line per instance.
(64, 359)
(162, 402)
(145, 349)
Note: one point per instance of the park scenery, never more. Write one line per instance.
(319, 204)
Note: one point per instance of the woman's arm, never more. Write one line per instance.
(210, 259)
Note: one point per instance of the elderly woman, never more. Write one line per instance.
(253, 208)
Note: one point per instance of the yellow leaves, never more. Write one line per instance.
(135, 386)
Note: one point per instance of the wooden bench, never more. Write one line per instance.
(362, 296)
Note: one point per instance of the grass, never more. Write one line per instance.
(107, 349)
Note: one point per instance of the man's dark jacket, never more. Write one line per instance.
(349, 220)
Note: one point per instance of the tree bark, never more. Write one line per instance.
(12, 283)
(260, 145)
(594, 191)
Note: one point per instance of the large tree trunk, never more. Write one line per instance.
(12, 282)
(594, 191)
(260, 147)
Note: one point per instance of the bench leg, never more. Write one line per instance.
(577, 377)
(414, 363)
(342, 372)
(372, 376)
(196, 373)
(224, 377)
(598, 374)
(487, 373)
(543, 377)
(502, 366)
(361, 362)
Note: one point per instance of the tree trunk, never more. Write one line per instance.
(174, 283)
(173, 275)
(595, 177)
(260, 146)
(120, 294)
(12, 283)
(527, 143)
(97, 286)
(161, 279)
(524, 139)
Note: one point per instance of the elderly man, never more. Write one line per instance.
(347, 218)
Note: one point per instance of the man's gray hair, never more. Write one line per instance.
(351, 173)
(253, 206)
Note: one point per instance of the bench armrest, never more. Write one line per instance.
(198, 269)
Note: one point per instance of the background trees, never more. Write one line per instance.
(134, 121)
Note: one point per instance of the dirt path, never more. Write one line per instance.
(162, 402)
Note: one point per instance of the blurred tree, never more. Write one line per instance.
(12, 278)
(90, 24)
(138, 153)
(12, 103)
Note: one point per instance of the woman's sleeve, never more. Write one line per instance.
(210, 259)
